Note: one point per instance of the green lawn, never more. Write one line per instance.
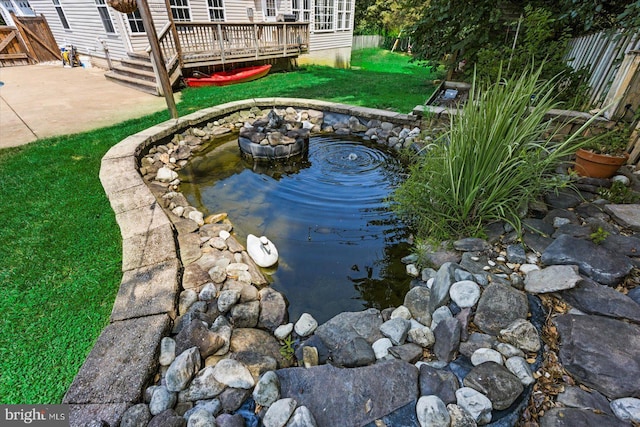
(61, 247)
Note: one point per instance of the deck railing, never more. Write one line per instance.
(211, 43)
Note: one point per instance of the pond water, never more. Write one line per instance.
(339, 243)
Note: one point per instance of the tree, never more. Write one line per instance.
(447, 27)
(387, 16)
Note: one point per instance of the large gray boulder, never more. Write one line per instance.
(601, 353)
(360, 395)
(603, 266)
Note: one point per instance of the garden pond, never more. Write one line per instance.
(328, 214)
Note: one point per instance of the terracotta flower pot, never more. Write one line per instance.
(595, 165)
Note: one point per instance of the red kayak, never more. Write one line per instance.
(222, 78)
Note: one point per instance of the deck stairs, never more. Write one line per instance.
(136, 72)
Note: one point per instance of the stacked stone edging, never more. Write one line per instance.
(123, 359)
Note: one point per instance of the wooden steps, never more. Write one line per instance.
(136, 72)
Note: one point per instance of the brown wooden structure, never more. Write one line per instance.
(30, 41)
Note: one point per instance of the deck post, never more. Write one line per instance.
(158, 58)
(221, 41)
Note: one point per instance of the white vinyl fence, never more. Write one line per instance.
(601, 54)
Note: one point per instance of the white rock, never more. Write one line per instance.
(412, 270)
(267, 390)
(430, 282)
(621, 178)
(432, 412)
(483, 355)
(302, 417)
(233, 374)
(305, 325)
(422, 336)
(165, 174)
(508, 350)
(381, 347)
(283, 331)
(224, 234)
(627, 409)
(197, 217)
(475, 403)
(465, 293)
(396, 330)
(521, 369)
(528, 268)
(167, 351)
(279, 413)
(402, 312)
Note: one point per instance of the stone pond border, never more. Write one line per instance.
(124, 357)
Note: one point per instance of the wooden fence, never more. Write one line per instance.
(30, 41)
(601, 54)
(365, 42)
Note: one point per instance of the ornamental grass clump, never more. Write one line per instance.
(497, 156)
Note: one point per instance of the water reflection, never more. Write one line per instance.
(339, 243)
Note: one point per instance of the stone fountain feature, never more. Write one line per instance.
(277, 138)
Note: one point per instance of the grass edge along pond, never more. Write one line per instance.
(61, 247)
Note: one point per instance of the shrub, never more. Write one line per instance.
(496, 157)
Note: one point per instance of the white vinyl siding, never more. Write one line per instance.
(216, 10)
(105, 16)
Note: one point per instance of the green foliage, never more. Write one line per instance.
(612, 143)
(539, 37)
(619, 193)
(60, 267)
(386, 17)
(286, 350)
(599, 236)
(492, 162)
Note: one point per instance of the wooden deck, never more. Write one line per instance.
(196, 44)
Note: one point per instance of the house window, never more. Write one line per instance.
(180, 10)
(324, 14)
(302, 10)
(269, 10)
(216, 10)
(344, 14)
(9, 6)
(135, 22)
(104, 16)
(63, 18)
